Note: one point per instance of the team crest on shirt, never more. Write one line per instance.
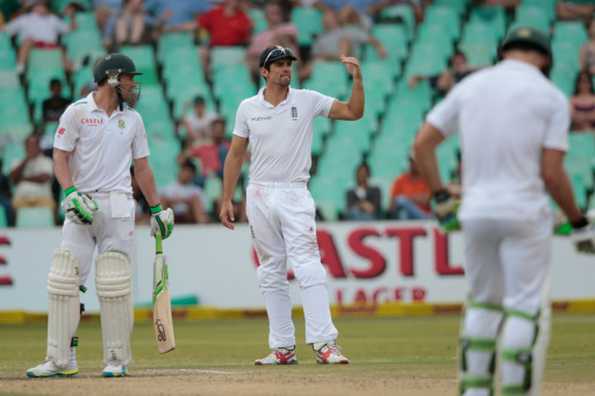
(121, 124)
(294, 114)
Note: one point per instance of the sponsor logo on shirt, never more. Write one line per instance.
(261, 118)
(91, 121)
(61, 131)
(121, 124)
(294, 114)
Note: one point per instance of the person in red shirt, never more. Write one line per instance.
(410, 196)
(227, 25)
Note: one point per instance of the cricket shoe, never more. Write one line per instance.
(329, 353)
(278, 356)
(114, 370)
(49, 369)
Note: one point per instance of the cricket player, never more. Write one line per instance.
(277, 124)
(513, 125)
(98, 138)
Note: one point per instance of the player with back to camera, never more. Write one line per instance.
(277, 124)
(97, 138)
(513, 124)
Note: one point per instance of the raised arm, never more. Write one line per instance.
(354, 108)
(231, 173)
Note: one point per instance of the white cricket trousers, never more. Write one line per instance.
(112, 230)
(283, 228)
(507, 263)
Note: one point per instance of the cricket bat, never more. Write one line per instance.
(162, 318)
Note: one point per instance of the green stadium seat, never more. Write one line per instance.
(570, 32)
(7, 53)
(400, 11)
(533, 16)
(394, 38)
(458, 6)
(171, 42)
(309, 23)
(34, 218)
(548, 7)
(259, 21)
(81, 43)
(144, 60)
(493, 16)
(443, 18)
(226, 56)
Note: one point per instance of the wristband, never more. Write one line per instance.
(155, 209)
(69, 190)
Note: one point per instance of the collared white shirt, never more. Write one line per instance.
(102, 146)
(505, 116)
(281, 136)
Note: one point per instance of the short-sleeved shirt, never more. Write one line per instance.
(226, 30)
(408, 186)
(42, 28)
(38, 166)
(505, 115)
(102, 146)
(280, 137)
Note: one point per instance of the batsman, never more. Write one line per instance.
(97, 140)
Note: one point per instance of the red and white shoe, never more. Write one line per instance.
(329, 353)
(278, 356)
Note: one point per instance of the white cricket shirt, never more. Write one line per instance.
(102, 146)
(505, 116)
(280, 137)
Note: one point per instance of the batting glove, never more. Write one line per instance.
(162, 221)
(79, 208)
(445, 209)
(583, 236)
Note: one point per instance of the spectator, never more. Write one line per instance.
(39, 29)
(363, 201)
(417, 6)
(212, 155)
(410, 196)
(576, 9)
(279, 32)
(198, 123)
(106, 14)
(130, 26)
(184, 197)
(32, 178)
(362, 7)
(587, 54)
(583, 104)
(226, 24)
(54, 106)
(457, 70)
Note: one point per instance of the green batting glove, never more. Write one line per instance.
(162, 221)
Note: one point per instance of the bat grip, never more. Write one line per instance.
(158, 244)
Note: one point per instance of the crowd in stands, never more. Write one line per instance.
(203, 131)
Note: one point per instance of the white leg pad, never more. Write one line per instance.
(63, 306)
(113, 281)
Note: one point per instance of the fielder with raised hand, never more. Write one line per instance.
(277, 124)
(97, 139)
(513, 124)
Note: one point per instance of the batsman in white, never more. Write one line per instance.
(277, 124)
(98, 138)
(513, 125)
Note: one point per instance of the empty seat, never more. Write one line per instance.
(34, 218)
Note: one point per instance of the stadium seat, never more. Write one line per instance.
(533, 16)
(34, 218)
(258, 19)
(458, 6)
(443, 18)
(394, 39)
(144, 61)
(309, 23)
(81, 43)
(403, 12)
(492, 16)
(171, 42)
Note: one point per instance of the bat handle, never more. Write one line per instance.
(158, 244)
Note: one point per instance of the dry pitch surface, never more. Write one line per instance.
(411, 356)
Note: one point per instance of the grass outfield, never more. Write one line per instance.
(405, 356)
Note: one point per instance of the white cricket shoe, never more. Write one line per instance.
(49, 369)
(329, 353)
(278, 356)
(114, 370)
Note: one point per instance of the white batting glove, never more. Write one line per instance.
(583, 236)
(162, 221)
(79, 208)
